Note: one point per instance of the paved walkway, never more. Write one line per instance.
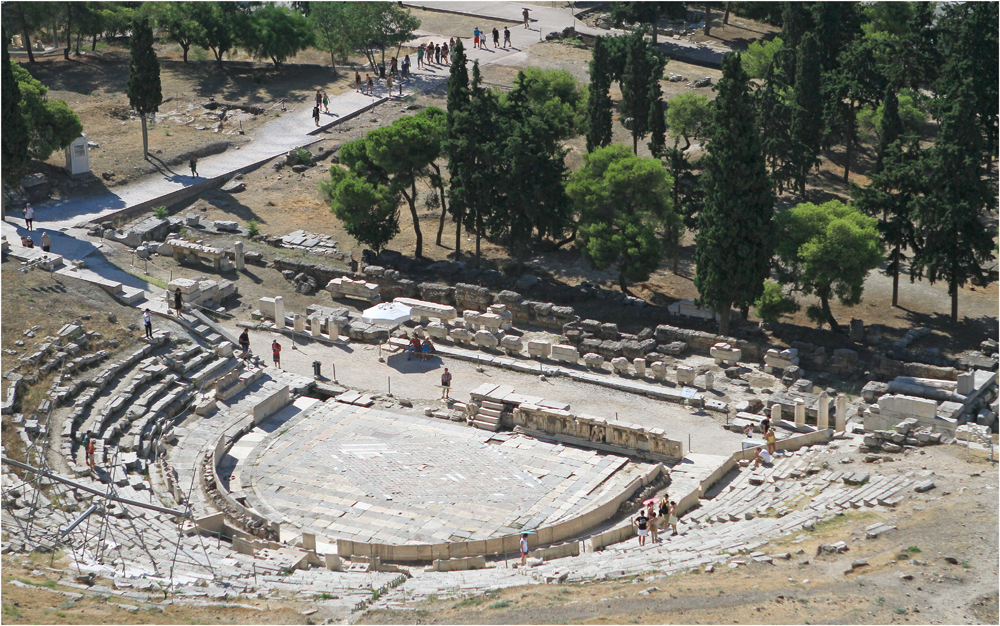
(289, 131)
(544, 20)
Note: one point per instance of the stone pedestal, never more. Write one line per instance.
(299, 323)
(640, 366)
(775, 414)
(279, 312)
(840, 417)
(333, 328)
(823, 411)
(966, 384)
(685, 375)
(316, 325)
(709, 380)
(659, 370)
(800, 412)
(240, 259)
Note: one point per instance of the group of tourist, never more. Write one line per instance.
(657, 516)
(29, 224)
(479, 38)
(434, 53)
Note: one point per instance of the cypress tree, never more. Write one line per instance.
(953, 240)
(890, 197)
(807, 112)
(640, 65)
(15, 131)
(892, 126)
(458, 145)
(774, 119)
(795, 22)
(837, 24)
(735, 235)
(657, 116)
(599, 104)
(144, 93)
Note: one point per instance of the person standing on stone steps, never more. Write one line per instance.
(641, 524)
(672, 517)
(193, 163)
(147, 321)
(245, 343)
(29, 216)
(524, 549)
(179, 301)
(276, 353)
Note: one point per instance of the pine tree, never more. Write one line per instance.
(458, 146)
(144, 93)
(953, 241)
(599, 110)
(15, 132)
(735, 235)
(807, 111)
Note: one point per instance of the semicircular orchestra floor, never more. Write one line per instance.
(346, 472)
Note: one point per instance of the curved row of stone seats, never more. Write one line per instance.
(736, 521)
(81, 419)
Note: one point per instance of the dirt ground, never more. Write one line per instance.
(957, 519)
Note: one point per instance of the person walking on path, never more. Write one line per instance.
(371, 85)
(420, 56)
(276, 353)
(445, 384)
(524, 549)
(437, 54)
(316, 114)
(496, 38)
(475, 37)
(29, 216)
(393, 68)
(147, 321)
(506, 36)
(388, 84)
(444, 53)
(245, 343)
(46, 242)
(319, 98)
(178, 301)
(357, 81)
(326, 103)
(193, 164)
(524, 14)
(641, 524)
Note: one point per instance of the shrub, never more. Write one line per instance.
(253, 228)
(774, 303)
(161, 212)
(301, 156)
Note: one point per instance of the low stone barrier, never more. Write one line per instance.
(592, 431)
